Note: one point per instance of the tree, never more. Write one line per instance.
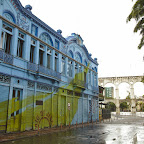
(124, 105)
(128, 97)
(137, 13)
(111, 106)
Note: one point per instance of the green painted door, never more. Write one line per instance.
(63, 110)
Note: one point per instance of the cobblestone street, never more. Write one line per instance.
(120, 130)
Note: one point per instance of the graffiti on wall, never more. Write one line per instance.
(41, 117)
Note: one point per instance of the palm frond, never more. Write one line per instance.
(137, 11)
(139, 25)
(141, 43)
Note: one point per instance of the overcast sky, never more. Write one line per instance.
(102, 25)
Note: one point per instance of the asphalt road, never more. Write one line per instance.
(120, 130)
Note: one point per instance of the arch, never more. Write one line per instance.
(111, 105)
(138, 89)
(9, 16)
(95, 69)
(85, 63)
(124, 90)
(46, 38)
(78, 57)
(125, 106)
(70, 54)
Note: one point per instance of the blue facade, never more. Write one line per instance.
(45, 79)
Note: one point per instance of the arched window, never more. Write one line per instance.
(46, 38)
(70, 54)
(78, 57)
(95, 69)
(85, 63)
(9, 16)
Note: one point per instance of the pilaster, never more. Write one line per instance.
(82, 106)
(133, 103)
(131, 91)
(27, 48)
(45, 57)
(59, 62)
(36, 56)
(91, 78)
(133, 106)
(82, 74)
(66, 116)
(52, 103)
(66, 66)
(73, 69)
(9, 110)
(117, 92)
(34, 104)
(117, 107)
(15, 42)
(59, 108)
(23, 114)
(53, 60)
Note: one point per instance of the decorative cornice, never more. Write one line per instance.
(33, 18)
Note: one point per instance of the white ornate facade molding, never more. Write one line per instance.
(118, 80)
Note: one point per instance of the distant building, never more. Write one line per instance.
(109, 92)
(45, 79)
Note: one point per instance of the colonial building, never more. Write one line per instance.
(46, 80)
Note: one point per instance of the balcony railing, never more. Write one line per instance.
(32, 67)
(7, 58)
(43, 70)
(80, 83)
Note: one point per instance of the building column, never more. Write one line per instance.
(59, 108)
(133, 103)
(82, 106)
(117, 107)
(9, 110)
(52, 105)
(34, 105)
(87, 74)
(91, 78)
(66, 116)
(36, 54)
(59, 63)
(53, 60)
(66, 66)
(73, 69)
(97, 80)
(45, 57)
(27, 48)
(88, 107)
(82, 73)
(23, 114)
(15, 42)
(117, 100)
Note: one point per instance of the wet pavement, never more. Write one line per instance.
(120, 130)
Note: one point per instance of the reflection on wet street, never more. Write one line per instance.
(121, 131)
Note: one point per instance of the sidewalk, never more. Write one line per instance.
(19, 135)
(115, 121)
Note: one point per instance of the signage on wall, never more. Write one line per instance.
(68, 106)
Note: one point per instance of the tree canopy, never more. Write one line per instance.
(137, 13)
